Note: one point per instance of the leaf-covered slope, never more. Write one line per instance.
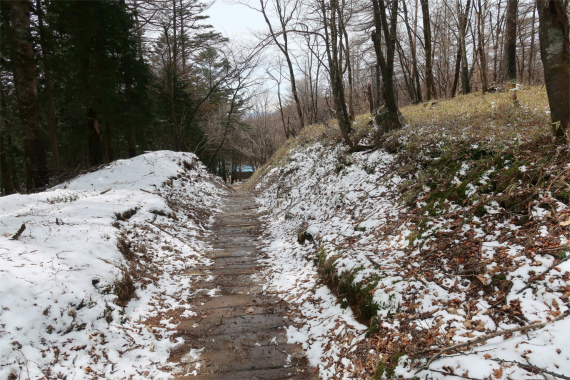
(432, 242)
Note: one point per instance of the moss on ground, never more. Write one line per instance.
(359, 295)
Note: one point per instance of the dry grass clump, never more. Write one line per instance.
(492, 119)
(124, 288)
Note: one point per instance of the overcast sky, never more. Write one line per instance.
(234, 20)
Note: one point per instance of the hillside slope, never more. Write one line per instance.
(93, 285)
(453, 230)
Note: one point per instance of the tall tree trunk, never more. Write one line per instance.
(379, 98)
(511, 40)
(94, 139)
(465, 77)
(456, 72)
(226, 129)
(182, 38)
(555, 54)
(406, 72)
(390, 119)
(334, 55)
(495, 31)
(6, 176)
(481, 46)
(285, 129)
(430, 86)
(139, 30)
(284, 47)
(531, 53)
(415, 76)
(370, 98)
(52, 124)
(350, 80)
(174, 37)
(27, 92)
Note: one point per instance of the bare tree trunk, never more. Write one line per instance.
(430, 86)
(415, 76)
(27, 93)
(52, 124)
(182, 39)
(370, 97)
(511, 40)
(284, 47)
(456, 72)
(531, 54)
(555, 54)
(390, 119)
(379, 98)
(139, 30)
(334, 55)
(350, 81)
(481, 45)
(287, 132)
(174, 37)
(495, 32)
(227, 126)
(465, 77)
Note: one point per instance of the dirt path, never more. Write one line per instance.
(241, 328)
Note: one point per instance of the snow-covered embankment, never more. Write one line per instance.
(425, 274)
(95, 283)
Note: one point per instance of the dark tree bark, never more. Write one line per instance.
(132, 142)
(511, 40)
(456, 72)
(94, 139)
(555, 54)
(430, 86)
(349, 70)
(415, 85)
(52, 123)
(389, 119)
(109, 142)
(461, 64)
(333, 42)
(6, 176)
(25, 81)
(7, 183)
(465, 76)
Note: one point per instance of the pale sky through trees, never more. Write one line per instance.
(234, 20)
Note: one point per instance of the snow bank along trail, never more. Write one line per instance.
(238, 331)
(97, 283)
(425, 273)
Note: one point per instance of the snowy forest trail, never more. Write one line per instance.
(239, 330)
